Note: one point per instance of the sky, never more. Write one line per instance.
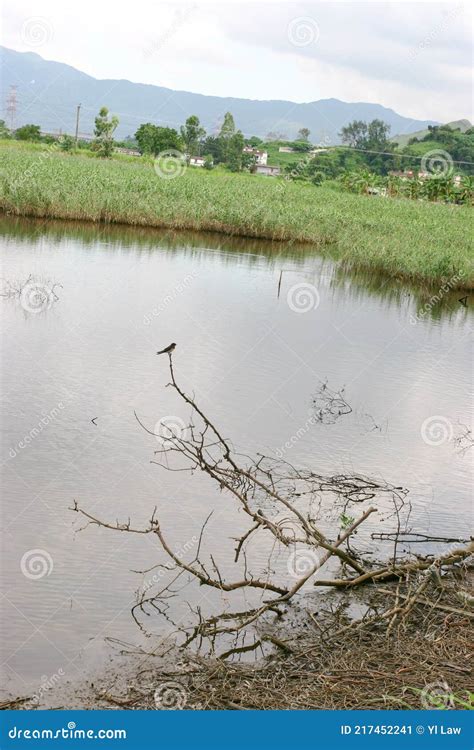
(413, 57)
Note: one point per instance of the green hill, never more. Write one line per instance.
(403, 139)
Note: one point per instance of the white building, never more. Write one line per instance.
(260, 156)
(268, 170)
(196, 161)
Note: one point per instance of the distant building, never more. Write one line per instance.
(196, 161)
(128, 151)
(407, 175)
(286, 150)
(260, 156)
(267, 169)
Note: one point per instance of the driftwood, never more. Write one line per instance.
(281, 503)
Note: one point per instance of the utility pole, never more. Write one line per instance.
(77, 122)
(11, 108)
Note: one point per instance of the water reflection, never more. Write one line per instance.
(73, 375)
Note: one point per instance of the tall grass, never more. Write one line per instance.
(420, 241)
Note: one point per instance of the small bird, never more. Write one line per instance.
(168, 349)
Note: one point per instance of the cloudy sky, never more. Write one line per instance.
(413, 57)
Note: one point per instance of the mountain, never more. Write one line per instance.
(49, 92)
(402, 139)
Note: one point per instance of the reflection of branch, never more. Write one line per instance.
(464, 439)
(329, 405)
(279, 501)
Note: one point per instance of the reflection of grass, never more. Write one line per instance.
(403, 238)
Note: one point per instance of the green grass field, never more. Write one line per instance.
(408, 239)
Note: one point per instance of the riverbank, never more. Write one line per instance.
(419, 241)
(324, 660)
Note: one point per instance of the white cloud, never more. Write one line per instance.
(413, 57)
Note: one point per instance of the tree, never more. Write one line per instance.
(166, 139)
(377, 136)
(4, 131)
(212, 146)
(104, 129)
(303, 134)
(153, 139)
(373, 138)
(354, 134)
(234, 152)
(208, 162)
(67, 143)
(301, 146)
(28, 133)
(144, 138)
(192, 134)
(226, 133)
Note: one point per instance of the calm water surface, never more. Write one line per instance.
(254, 363)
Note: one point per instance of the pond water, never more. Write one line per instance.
(259, 328)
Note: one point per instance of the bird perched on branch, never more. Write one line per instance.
(168, 349)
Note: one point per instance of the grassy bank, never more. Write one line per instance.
(421, 241)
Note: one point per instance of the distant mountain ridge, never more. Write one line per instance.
(48, 93)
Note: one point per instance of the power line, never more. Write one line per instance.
(394, 153)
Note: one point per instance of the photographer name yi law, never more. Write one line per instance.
(398, 729)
